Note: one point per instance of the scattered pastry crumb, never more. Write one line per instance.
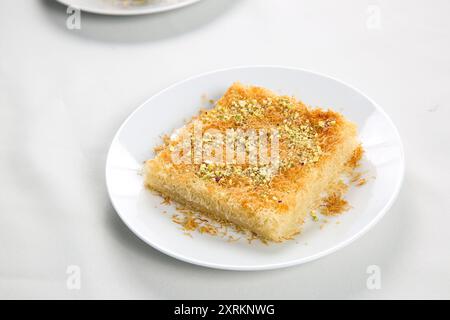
(334, 204)
(166, 200)
(357, 179)
(191, 221)
(354, 161)
(314, 216)
(324, 222)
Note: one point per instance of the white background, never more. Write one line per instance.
(64, 93)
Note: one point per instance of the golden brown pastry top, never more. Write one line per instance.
(305, 137)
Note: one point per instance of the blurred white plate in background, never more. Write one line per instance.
(126, 7)
(143, 213)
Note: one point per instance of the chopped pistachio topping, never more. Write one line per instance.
(298, 136)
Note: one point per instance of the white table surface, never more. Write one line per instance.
(63, 94)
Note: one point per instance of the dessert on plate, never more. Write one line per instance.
(257, 160)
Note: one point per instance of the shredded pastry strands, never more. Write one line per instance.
(332, 204)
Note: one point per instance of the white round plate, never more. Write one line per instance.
(144, 214)
(126, 7)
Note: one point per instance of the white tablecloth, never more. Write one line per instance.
(63, 94)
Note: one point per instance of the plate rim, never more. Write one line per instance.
(271, 266)
(131, 13)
